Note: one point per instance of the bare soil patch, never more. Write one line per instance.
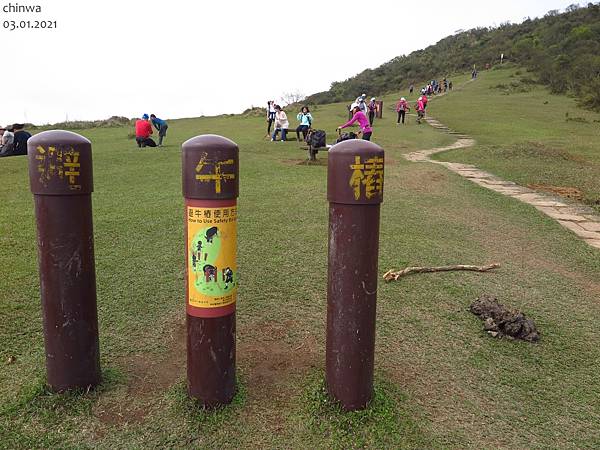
(148, 377)
(425, 181)
(563, 191)
(270, 361)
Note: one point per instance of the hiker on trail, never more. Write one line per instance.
(305, 119)
(420, 107)
(372, 110)
(161, 126)
(362, 120)
(270, 116)
(362, 103)
(425, 100)
(411, 89)
(281, 124)
(143, 130)
(20, 139)
(401, 108)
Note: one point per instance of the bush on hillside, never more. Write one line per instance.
(561, 50)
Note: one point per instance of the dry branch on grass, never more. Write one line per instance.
(392, 275)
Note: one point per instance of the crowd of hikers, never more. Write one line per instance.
(361, 112)
(13, 140)
(278, 120)
(143, 130)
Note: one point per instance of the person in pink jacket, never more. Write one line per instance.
(420, 109)
(363, 122)
(401, 108)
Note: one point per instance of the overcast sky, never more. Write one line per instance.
(182, 58)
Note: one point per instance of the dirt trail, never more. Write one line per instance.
(581, 220)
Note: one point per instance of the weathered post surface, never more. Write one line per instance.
(60, 177)
(354, 191)
(210, 173)
(379, 112)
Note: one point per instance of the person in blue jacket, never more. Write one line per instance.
(161, 126)
(305, 119)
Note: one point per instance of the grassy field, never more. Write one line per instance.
(441, 382)
(525, 134)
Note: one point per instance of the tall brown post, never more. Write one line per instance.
(379, 112)
(210, 173)
(60, 177)
(355, 192)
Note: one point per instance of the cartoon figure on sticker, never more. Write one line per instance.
(227, 276)
(210, 273)
(211, 262)
(194, 264)
(211, 233)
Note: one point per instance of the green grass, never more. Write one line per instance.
(386, 423)
(441, 381)
(524, 133)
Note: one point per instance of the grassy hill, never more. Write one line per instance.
(525, 134)
(562, 51)
(441, 381)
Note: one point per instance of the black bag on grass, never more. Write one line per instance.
(346, 136)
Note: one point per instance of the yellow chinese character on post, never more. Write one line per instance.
(369, 174)
(373, 177)
(218, 174)
(72, 166)
(357, 177)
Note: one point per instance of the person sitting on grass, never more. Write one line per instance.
(6, 143)
(161, 126)
(281, 124)
(305, 119)
(362, 120)
(143, 130)
(20, 139)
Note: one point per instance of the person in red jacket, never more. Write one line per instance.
(143, 130)
(425, 100)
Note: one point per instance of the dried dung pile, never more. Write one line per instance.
(500, 321)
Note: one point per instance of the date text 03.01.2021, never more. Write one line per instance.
(12, 25)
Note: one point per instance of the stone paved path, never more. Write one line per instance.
(580, 220)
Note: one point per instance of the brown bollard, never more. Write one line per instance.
(60, 177)
(210, 173)
(379, 110)
(355, 192)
